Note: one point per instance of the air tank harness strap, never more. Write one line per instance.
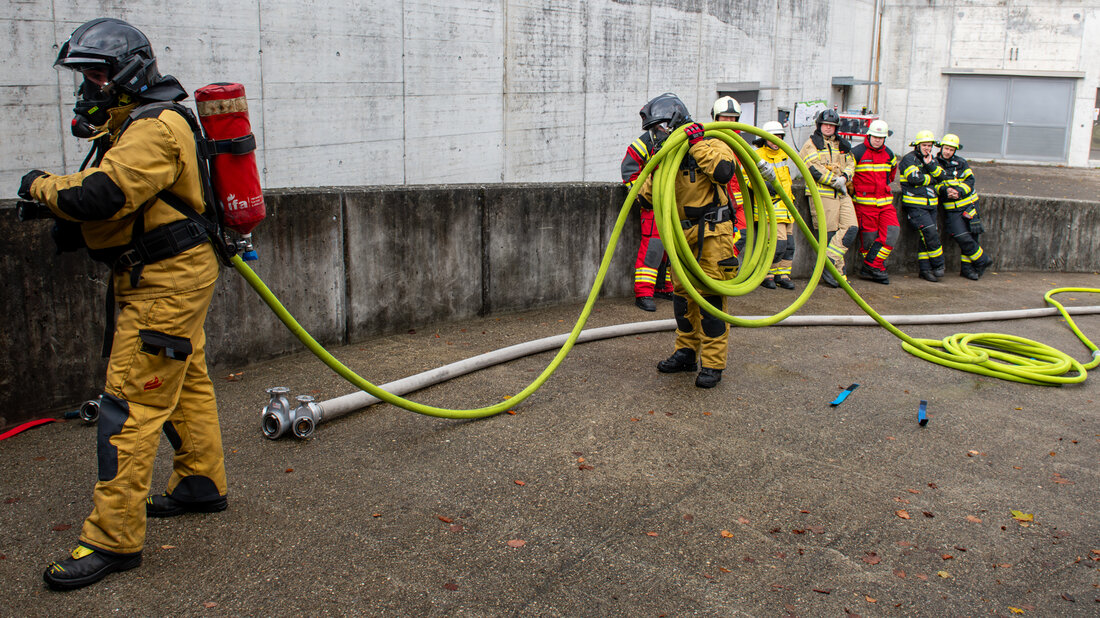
(699, 216)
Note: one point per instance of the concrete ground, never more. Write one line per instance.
(618, 491)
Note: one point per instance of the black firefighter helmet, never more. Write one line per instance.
(662, 114)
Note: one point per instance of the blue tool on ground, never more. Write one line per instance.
(922, 413)
(843, 395)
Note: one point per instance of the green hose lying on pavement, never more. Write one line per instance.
(1021, 360)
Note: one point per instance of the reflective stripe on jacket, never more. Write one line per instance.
(918, 180)
(956, 175)
(874, 171)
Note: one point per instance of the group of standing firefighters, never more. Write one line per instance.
(858, 203)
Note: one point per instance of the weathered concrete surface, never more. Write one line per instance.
(348, 523)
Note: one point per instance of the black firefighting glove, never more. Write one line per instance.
(975, 222)
(28, 180)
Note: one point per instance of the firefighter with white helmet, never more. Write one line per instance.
(960, 206)
(829, 158)
(727, 109)
(920, 174)
(163, 271)
(873, 200)
(780, 272)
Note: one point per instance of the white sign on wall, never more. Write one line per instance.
(806, 111)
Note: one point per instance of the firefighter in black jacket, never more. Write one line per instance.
(919, 175)
(960, 206)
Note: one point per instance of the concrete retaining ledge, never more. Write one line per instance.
(352, 263)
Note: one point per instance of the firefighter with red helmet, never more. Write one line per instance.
(829, 158)
(163, 270)
(875, 169)
(960, 206)
(920, 174)
(707, 219)
(652, 277)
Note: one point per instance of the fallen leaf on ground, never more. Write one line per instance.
(913, 491)
(974, 520)
(445, 519)
(943, 574)
(62, 527)
(289, 470)
(900, 573)
(928, 514)
(727, 534)
(947, 556)
(451, 586)
(902, 514)
(376, 515)
(871, 558)
(920, 576)
(585, 467)
(233, 377)
(209, 604)
(167, 546)
(512, 412)
(823, 590)
(517, 543)
(1015, 610)
(972, 453)
(742, 520)
(651, 534)
(520, 483)
(1021, 516)
(456, 528)
(870, 600)
(816, 529)
(725, 570)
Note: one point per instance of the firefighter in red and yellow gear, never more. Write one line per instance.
(829, 158)
(920, 174)
(707, 220)
(875, 169)
(727, 109)
(960, 206)
(652, 277)
(163, 270)
(780, 272)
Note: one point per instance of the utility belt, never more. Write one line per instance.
(153, 246)
(701, 216)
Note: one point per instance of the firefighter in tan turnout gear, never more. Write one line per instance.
(831, 164)
(163, 270)
(707, 219)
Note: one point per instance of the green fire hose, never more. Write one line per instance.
(1002, 356)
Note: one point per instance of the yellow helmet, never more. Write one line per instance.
(922, 137)
(951, 140)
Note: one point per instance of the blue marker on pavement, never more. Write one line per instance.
(922, 413)
(843, 395)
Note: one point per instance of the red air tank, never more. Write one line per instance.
(223, 113)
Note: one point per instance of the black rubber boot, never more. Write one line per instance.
(86, 566)
(874, 274)
(708, 378)
(663, 295)
(167, 506)
(645, 303)
(970, 273)
(768, 282)
(784, 282)
(939, 272)
(927, 275)
(681, 360)
(828, 279)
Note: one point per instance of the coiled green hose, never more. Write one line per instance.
(1022, 360)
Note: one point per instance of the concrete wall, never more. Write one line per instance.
(921, 39)
(347, 263)
(420, 91)
(354, 263)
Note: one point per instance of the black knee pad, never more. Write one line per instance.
(113, 413)
(850, 235)
(713, 326)
(680, 309)
(892, 233)
(931, 236)
(780, 249)
(654, 253)
(868, 238)
(788, 254)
